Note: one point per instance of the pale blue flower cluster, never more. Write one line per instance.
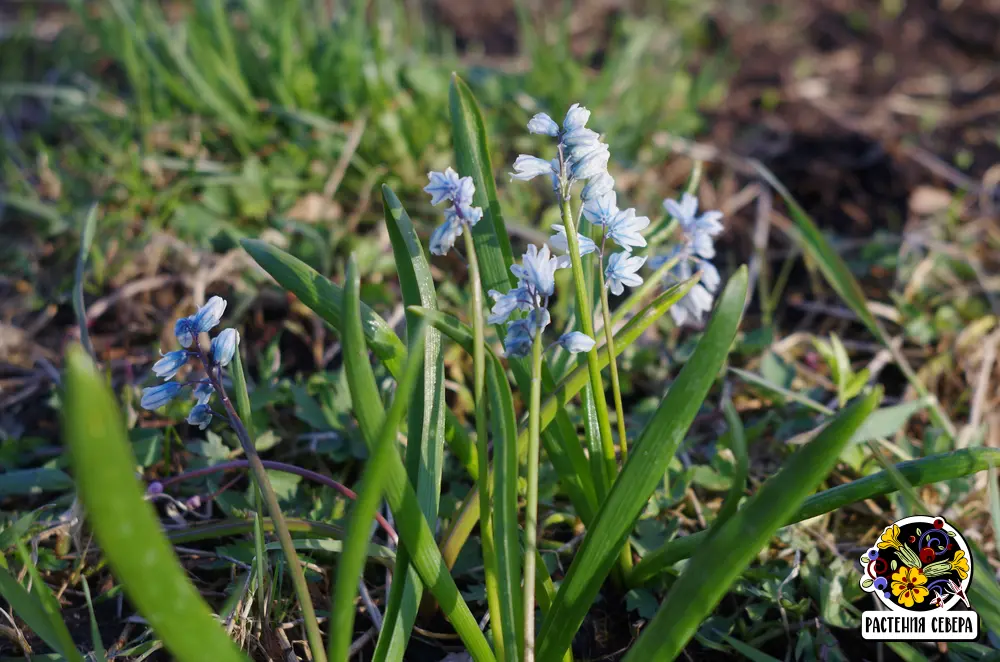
(220, 354)
(448, 186)
(535, 284)
(582, 155)
(694, 254)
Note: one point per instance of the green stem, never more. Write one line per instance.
(284, 537)
(490, 566)
(531, 509)
(587, 324)
(613, 365)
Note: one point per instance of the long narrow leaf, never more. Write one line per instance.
(425, 419)
(933, 469)
(126, 525)
(709, 575)
(50, 628)
(640, 475)
(355, 551)
(326, 300)
(414, 531)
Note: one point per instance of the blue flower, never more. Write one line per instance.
(185, 331)
(200, 415)
(625, 229)
(209, 315)
(442, 186)
(544, 125)
(623, 270)
(224, 346)
(578, 143)
(593, 163)
(171, 362)
(576, 117)
(528, 167)
(560, 241)
(601, 210)
(203, 392)
(538, 319)
(517, 344)
(576, 342)
(518, 298)
(699, 298)
(538, 269)
(464, 193)
(444, 235)
(698, 230)
(597, 186)
(155, 397)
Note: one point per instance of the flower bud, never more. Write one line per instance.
(224, 346)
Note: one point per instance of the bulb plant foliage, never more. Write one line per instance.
(609, 474)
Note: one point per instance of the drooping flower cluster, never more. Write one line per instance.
(220, 354)
(535, 284)
(693, 253)
(448, 186)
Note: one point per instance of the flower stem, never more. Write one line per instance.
(593, 366)
(531, 508)
(613, 365)
(313, 633)
(490, 566)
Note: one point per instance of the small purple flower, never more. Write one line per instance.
(154, 488)
(171, 362)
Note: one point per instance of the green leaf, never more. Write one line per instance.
(325, 299)
(41, 616)
(86, 241)
(887, 421)
(641, 474)
(472, 157)
(748, 651)
(100, 655)
(355, 552)
(414, 532)
(932, 469)
(125, 524)
(242, 398)
(723, 558)
(737, 444)
(425, 419)
(33, 481)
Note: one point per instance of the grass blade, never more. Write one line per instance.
(472, 157)
(414, 532)
(932, 469)
(731, 548)
(100, 655)
(640, 475)
(242, 401)
(86, 241)
(326, 300)
(350, 569)
(425, 417)
(43, 621)
(126, 525)
(738, 445)
(847, 287)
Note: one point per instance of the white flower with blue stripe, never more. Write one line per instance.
(447, 186)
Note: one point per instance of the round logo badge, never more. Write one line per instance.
(918, 564)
